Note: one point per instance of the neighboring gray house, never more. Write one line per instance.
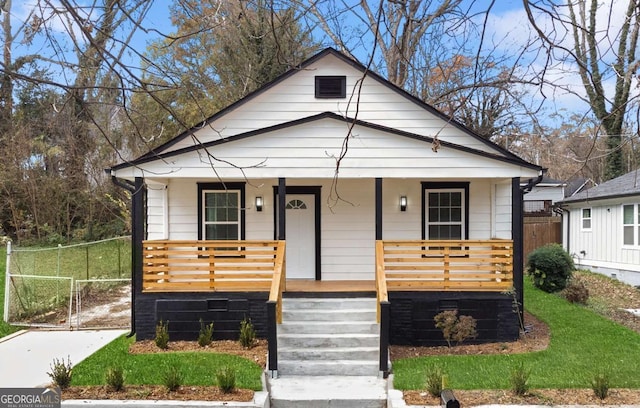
(540, 200)
(601, 228)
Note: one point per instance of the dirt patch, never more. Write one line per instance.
(257, 353)
(156, 392)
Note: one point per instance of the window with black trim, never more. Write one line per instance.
(331, 86)
(220, 211)
(446, 210)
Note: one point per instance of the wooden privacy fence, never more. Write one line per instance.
(539, 231)
(173, 266)
(447, 265)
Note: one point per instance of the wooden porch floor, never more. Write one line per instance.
(330, 286)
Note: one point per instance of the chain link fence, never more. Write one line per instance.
(57, 287)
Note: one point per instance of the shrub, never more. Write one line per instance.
(114, 378)
(519, 380)
(226, 379)
(172, 378)
(454, 328)
(550, 267)
(162, 335)
(435, 381)
(205, 335)
(247, 333)
(61, 373)
(600, 385)
(576, 292)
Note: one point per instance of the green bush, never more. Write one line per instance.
(206, 334)
(435, 381)
(550, 267)
(114, 378)
(519, 380)
(172, 378)
(600, 385)
(162, 335)
(226, 379)
(247, 333)
(61, 373)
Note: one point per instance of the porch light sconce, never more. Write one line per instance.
(403, 203)
(259, 204)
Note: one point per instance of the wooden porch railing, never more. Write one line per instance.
(173, 266)
(445, 265)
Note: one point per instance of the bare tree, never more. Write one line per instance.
(601, 45)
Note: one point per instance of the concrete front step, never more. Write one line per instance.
(330, 304)
(325, 392)
(329, 353)
(367, 315)
(333, 367)
(328, 340)
(302, 327)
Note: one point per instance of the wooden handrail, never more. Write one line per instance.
(382, 295)
(278, 281)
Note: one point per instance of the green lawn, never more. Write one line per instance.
(582, 344)
(197, 368)
(5, 329)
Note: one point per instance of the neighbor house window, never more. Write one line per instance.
(331, 86)
(586, 219)
(631, 224)
(220, 211)
(446, 211)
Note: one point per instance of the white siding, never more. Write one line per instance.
(601, 249)
(310, 150)
(157, 214)
(294, 99)
(503, 210)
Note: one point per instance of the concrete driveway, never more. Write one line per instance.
(26, 356)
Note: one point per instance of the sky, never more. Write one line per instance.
(507, 29)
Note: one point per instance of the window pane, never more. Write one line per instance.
(586, 213)
(434, 232)
(456, 199)
(445, 199)
(221, 231)
(627, 214)
(433, 199)
(433, 215)
(586, 224)
(456, 214)
(628, 235)
(445, 215)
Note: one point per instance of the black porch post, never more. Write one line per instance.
(517, 226)
(378, 209)
(282, 202)
(137, 235)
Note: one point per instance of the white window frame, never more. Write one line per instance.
(583, 219)
(204, 221)
(463, 207)
(634, 225)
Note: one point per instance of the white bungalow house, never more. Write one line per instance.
(371, 190)
(601, 228)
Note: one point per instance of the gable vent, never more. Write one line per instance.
(331, 86)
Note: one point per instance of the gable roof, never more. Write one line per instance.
(158, 151)
(623, 186)
(314, 118)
